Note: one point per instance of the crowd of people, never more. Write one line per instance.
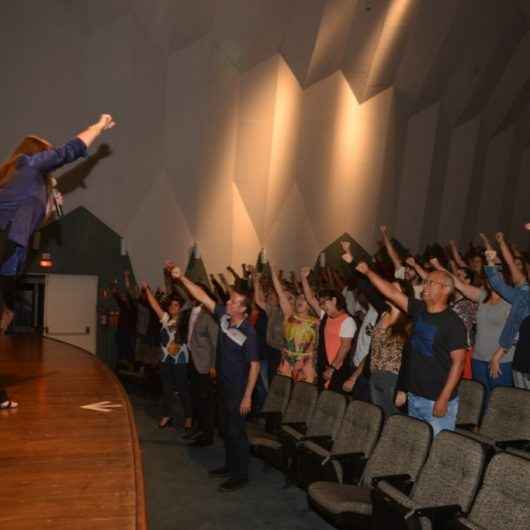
(400, 332)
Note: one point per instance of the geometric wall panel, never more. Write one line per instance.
(412, 196)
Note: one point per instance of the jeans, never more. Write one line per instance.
(481, 373)
(421, 408)
(383, 389)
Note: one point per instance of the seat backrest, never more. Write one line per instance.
(301, 404)
(452, 473)
(502, 501)
(402, 449)
(328, 414)
(507, 415)
(360, 429)
(471, 401)
(278, 394)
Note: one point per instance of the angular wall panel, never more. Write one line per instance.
(331, 40)
(258, 91)
(421, 131)
(152, 237)
(494, 179)
(521, 205)
(186, 100)
(457, 180)
(285, 138)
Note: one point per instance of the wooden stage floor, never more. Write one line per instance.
(62, 466)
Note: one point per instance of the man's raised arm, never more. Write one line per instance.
(385, 288)
(194, 290)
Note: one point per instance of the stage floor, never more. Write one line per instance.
(63, 466)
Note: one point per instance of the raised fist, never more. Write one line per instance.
(106, 122)
(362, 267)
(175, 273)
(491, 256)
(305, 272)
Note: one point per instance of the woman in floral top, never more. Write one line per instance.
(388, 340)
(300, 329)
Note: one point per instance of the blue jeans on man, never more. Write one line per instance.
(422, 409)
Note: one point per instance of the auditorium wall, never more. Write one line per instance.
(249, 124)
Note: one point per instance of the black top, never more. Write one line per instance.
(237, 348)
(521, 357)
(434, 336)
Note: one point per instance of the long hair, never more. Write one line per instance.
(30, 145)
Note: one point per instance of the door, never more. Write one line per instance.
(70, 309)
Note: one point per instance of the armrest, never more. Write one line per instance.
(403, 483)
(523, 445)
(325, 441)
(466, 426)
(347, 457)
(440, 515)
(299, 426)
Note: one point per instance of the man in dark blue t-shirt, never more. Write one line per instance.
(237, 372)
(436, 348)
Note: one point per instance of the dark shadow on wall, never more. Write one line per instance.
(75, 177)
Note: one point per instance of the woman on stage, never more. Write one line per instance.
(28, 198)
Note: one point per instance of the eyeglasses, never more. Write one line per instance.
(433, 282)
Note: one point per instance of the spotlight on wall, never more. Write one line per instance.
(46, 261)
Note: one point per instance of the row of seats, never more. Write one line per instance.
(360, 474)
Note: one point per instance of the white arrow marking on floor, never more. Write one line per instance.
(102, 406)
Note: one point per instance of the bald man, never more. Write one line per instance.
(435, 352)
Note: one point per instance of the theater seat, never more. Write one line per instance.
(471, 396)
(299, 411)
(445, 489)
(506, 422)
(401, 450)
(502, 501)
(344, 461)
(274, 407)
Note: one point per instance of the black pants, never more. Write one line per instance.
(237, 448)
(202, 393)
(274, 358)
(3, 396)
(126, 344)
(174, 378)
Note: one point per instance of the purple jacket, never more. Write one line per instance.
(23, 201)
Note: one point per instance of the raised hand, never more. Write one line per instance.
(106, 122)
(362, 267)
(169, 266)
(527, 226)
(499, 236)
(176, 273)
(384, 229)
(410, 261)
(491, 256)
(435, 263)
(305, 272)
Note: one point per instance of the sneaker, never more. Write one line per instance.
(233, 484)
(219, 472)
